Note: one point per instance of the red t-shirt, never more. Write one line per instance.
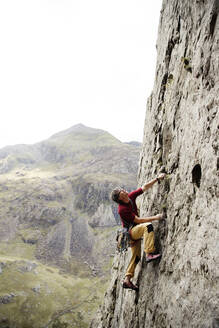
(128, 211)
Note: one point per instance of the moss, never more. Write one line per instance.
(170, 79)
(56, 294)
(17, 247)
(186, 62)
(164, 206)
(58, 324)
(166, 84)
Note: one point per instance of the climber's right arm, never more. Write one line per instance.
(152, 182)
(148, 219)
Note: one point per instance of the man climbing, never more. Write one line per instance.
(138, 227)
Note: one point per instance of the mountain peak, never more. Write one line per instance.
(78, 128)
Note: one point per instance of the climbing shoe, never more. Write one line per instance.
(130, 285)
(152, 257)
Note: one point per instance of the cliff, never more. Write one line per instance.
(181, 139)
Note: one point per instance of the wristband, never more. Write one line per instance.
(158, 180)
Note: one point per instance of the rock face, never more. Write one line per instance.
(181, 139)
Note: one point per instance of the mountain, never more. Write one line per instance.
(57, 225)
(181, 139)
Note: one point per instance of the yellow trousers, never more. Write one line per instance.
(137, 232)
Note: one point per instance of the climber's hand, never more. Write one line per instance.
(161, 216)
(161, 176)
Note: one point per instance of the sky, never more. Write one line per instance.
(64, 62)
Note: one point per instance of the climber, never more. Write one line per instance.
(138, 227)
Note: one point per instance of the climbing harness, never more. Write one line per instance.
(123, 239)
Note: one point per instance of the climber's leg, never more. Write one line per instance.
(149, 239)
(135, 258)
(149, 244)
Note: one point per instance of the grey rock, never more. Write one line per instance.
(36, 289)
(6, 298)
(181, 139)
(103, 217)
(2, 265)
(27, 266)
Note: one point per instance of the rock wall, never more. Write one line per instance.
(181, 139)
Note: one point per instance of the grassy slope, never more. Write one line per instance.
(31, 309)
(44, 181)
(55, 294)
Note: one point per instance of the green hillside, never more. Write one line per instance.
(57, 221)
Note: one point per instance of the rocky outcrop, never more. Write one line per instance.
(180, 139)
(103, 217)
(6, 299)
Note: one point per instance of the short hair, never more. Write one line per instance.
(115, 194)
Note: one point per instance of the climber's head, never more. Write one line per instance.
(120, 196)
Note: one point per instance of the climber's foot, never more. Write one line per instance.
(130, 285)
(152, 257)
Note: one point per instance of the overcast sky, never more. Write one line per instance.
(64, 62)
